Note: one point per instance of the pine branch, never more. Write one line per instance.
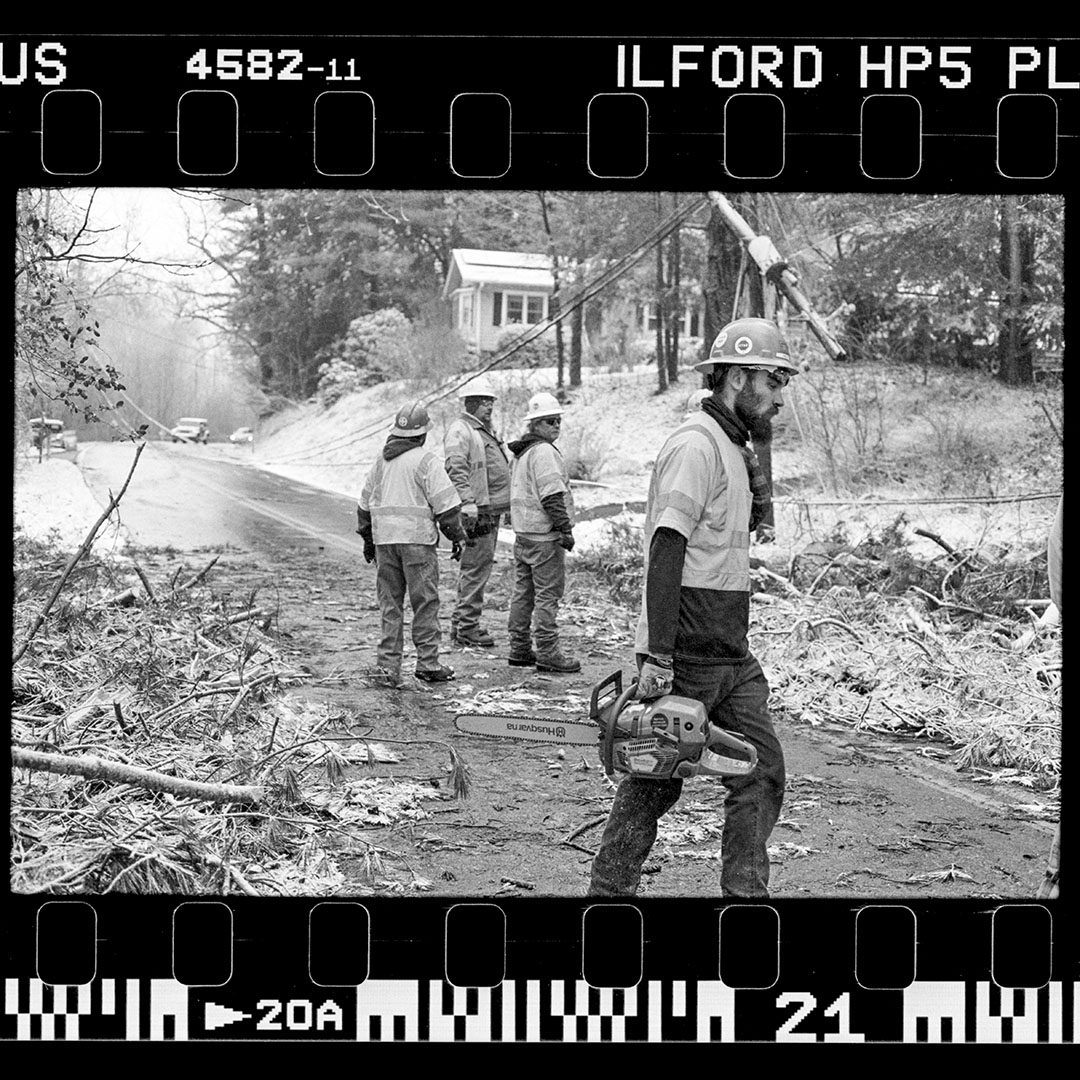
(93, 768)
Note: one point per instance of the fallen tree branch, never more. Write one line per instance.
(235, 874)
(146, 582)
(938, 540)
(84, 547)
(585, 828)
(94, 768)
(198, 577)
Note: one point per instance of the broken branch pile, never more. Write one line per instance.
(154, 749)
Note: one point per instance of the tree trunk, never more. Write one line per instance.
(661, 361)
(576, 323)
(675, 276)
(555, 305)
(721, 277)
(1014, 346)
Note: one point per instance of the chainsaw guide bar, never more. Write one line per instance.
(529, 728)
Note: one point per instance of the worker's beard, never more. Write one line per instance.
(748, 407)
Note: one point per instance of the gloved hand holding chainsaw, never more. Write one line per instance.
(655, 678)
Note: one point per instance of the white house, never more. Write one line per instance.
(491, 292)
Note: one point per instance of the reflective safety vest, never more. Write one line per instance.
(537, 472)
(405, 495)
(477, 464)
(700, 489)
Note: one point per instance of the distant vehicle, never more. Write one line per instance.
(42, 428)
(191, 429)
(242, 435)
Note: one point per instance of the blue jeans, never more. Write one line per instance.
(415, 568)
(736, 698)
(539, 584)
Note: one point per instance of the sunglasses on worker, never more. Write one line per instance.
(777, 379)
(556, 420)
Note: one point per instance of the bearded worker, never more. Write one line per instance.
(706, 496)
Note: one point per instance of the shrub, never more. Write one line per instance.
(375, 347)
(540, 352)
(585, 453)
(618, 562)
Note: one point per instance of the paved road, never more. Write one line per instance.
(190, 497)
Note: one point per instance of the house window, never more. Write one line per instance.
(521, 308)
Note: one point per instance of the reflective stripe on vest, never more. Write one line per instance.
(396, 497)
(463, 437)
(718, 549)
(535, 475)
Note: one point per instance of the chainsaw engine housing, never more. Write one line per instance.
(664, 739)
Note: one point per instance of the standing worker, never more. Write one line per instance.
(541, 512)
(706, 496)
(405, 495)
(477, 464)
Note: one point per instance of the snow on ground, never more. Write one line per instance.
(54, 505)
(615, 422)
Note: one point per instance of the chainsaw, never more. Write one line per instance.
(669, 738)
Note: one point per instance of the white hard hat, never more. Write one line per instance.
(481, 386)
(543, 404)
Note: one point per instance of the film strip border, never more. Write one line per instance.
(555, 1010)
(690, 970)
(566, 112)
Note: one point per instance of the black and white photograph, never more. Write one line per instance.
(533, 543)
(536, 538)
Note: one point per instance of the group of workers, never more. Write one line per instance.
(707, 495)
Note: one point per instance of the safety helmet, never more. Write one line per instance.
(412, 420)
(750, 343)
(543, 404)
(481, 386)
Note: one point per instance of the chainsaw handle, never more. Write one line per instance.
(607, 747)
(614, 680)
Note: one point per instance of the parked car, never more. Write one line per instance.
(242, 435)
(191, 429)
(42, 428)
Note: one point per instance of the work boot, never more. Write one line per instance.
(476, 637)
(519, 658)
(440, 674)
(557, 662)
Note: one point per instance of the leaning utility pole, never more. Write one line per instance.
(776, 271)
(760, 263)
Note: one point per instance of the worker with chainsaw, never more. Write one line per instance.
(406, 500)
(477, 463)
(706, 496)
(541, 513)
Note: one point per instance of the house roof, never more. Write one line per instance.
(513, 269)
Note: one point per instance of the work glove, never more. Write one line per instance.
(469, 514)
(369, 549)
(654, 679)
(566, 540)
